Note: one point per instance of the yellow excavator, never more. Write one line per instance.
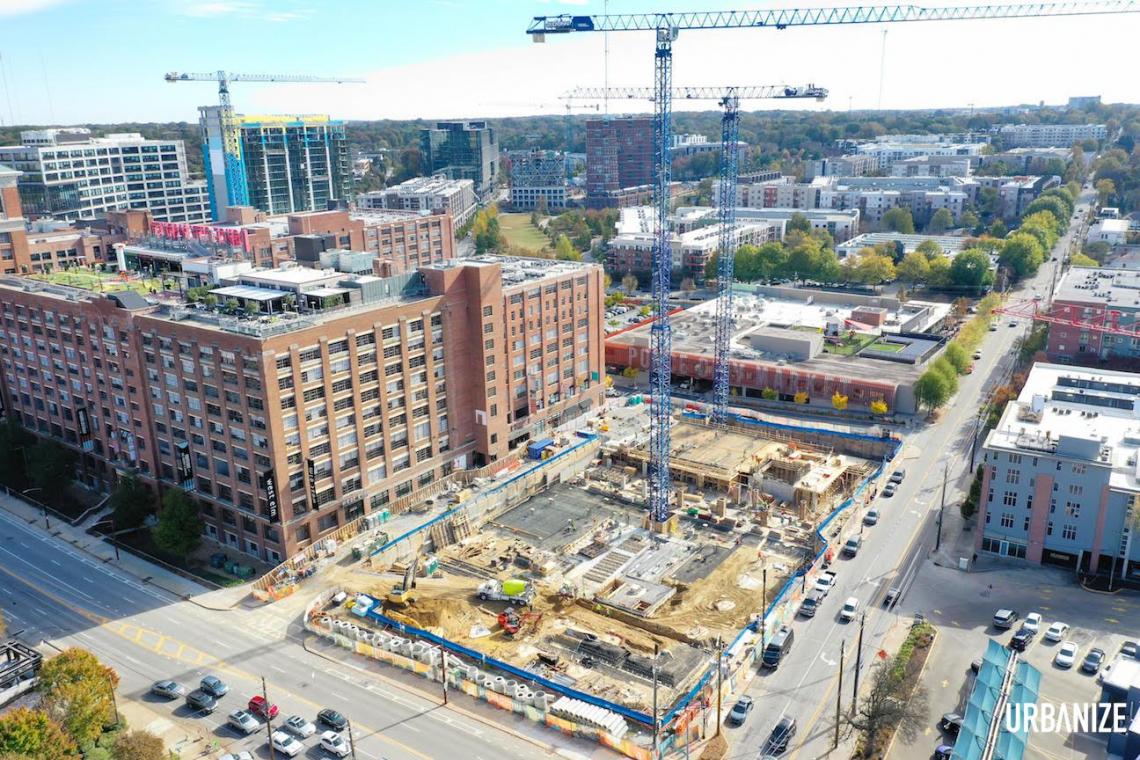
(402, 595)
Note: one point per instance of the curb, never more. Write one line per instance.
(422, 695)
(1098, 591)
(929, 654)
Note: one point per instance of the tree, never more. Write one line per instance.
(872, 269)
(1022, 254)
(941, 221)
(769, 394)
(899, 220)
(931, 390)
(798, 223)
(1105, 189)
(565, 251)
(131, 502)
(15, 443)
(939, 272)
(969, 220)
(929, 249)
(998, 229)
(769, 260)
(1081, 260)
(1052, 205)
(914, 268)
(629, 283)
(957, 356)
(31, 733)
(541, 207)
(892, 702)
(179, 529)
(77, 688)
(943, 367)
(971, 270)
(140, 745)
(51, 468)
(878, 406)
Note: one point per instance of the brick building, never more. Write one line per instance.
(619, 154)
(334, 412)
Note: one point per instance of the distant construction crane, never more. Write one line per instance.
(236, 189)
(666, 27)
(729, 99)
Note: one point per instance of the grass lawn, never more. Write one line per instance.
(99, 281)
(888, 348)
(519, 231)
(847, 345)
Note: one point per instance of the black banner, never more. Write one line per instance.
(312, 467)
(83, 422)
(269, 485)
(183, 463)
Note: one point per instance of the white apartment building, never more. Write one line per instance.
(68, 174)
(1046, 135)
(434, 194)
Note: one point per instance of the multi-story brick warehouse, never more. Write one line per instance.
(338, 412)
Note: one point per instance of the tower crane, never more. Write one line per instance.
(729, 99)
(237, 191)
(666, 27)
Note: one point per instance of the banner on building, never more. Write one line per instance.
(235, 237)
(183, 464)
(311, 465)
(269, 485)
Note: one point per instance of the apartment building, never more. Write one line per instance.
(462, 150)
(1059, 481)
(437, 195)
(69, 174)
(13, 242)
(934, 166)
(632, 252)
(619, 154)
(537, 175)
(286, 429)
(1087, 296)
(1049, 135)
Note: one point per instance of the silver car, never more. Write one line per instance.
(243, 721)
(168, 689)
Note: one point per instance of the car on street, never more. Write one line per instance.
(299, 727)
(951, 724)
(1005, 618)
(891, 595)
(237, 756)
(943, 752)
(740, 711)
(1021, 640)
(810, 604)
(332, 719)
(1032, 622)
(780, 737)
(1093, 660)
(286, 744)
(1056, 631)
(168, 689)
(824, 583)
(889, 490)
(850, 607)
(1012, 323)
(335, 744)
(214, 686)
(977, 355)
(1130, 649)
(871, 518)
(993, 326)
(258, 706)
(200, 701)
(851, 547)
(243, 721)
(976, 665)
(897, 476)
(1066, 655)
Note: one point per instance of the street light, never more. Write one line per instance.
(27, 491)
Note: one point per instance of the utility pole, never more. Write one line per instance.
(838, 698)
(942, 506)
(858, 662)
(352, 741)
(764, 604)
(655, 650)
(268, 718)
(443, 679)
(719, 657)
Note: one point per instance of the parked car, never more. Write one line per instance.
(335, 744)
(889, 490)
(781, 736)
(1093, 660)
(850, 607)
(1021, 640)
(200, 701)
(214, 686)
(740, 711)
(286, 744)
(1130, 649)
(1056, 631)
(258, 706)
(332, 719)
(976, 665)
(943, 752)
(168, 689)
(891, 595)
(951, 723)
(1032, 622)
(243, 721)
(871, 518)
(299, 727)
(1004, 619)
(810, 604)
(977, 355)
(851, 546)
(1066, 655)
(237, 756)
(897, 476)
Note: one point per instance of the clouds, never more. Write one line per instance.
(21, 7)
(240, 9)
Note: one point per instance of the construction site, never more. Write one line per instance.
(568, 580)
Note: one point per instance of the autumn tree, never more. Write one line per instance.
(564, 250)
(140, 745)
(1105, 189)
(77, 692)
(1080, 260)
(32, 734)
(914, 268)
(629, 283)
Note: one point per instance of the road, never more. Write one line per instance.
(50, 591)
(804, 686)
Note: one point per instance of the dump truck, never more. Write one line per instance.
(514, 590)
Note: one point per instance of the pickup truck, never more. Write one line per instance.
(825, 583)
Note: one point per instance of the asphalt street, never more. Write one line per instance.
(50, 591)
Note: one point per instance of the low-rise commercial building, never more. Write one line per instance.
(1111, 231)
(1059, 482)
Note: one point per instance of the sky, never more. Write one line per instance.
(98, 61)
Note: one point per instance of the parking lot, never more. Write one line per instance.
(962, 606)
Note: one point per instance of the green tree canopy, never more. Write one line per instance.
(940, 221)
(1022, 254)
(564, 250)
(914, 268)
(969, 220)
(31, 733)
(998, 229)
(51, 468)
(798, 223)
(899, 220)
(957, 356)
(15, 445)
(870, 268)
(1081, 260)
(131, 502)
(943, 367)
(939, 272)
(929, 249)
(971, 270)
(931, 390)
(1052, 205)
(179, 528)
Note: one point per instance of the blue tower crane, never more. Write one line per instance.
(666, 27)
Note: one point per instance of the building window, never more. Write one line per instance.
(1009, 498)
(1007, 519)
(1013, 477)
(1069, 532)
(1073, 509)
(1049, 528)
(1076, 490)
(1078, 469)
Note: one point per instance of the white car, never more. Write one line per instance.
(243, 721)
(299, 727)
(237, 756)
(1032, 622)
(286, 744)
(1057, 631)
(850, 607)
(1066, 655)
(335, 744)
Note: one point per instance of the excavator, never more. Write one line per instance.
(512, 622)
(402, 595)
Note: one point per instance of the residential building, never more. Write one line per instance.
(951, 245)
(1084, 101)
(535, 175)
(1059, 483)
(283, 430)
(934, 166)
(886, 153)
(1029, 160)
(289, 163)
(1045, 135)
(619, 154)
(841, 225)
(842, 166)
(690, 145)
(437, 195)
(1016, 193)
(1085, 297)
(462, 150)
(69, 174)
(1111, 231)
(693, 243)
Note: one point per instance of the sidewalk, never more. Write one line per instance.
(220, 600)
